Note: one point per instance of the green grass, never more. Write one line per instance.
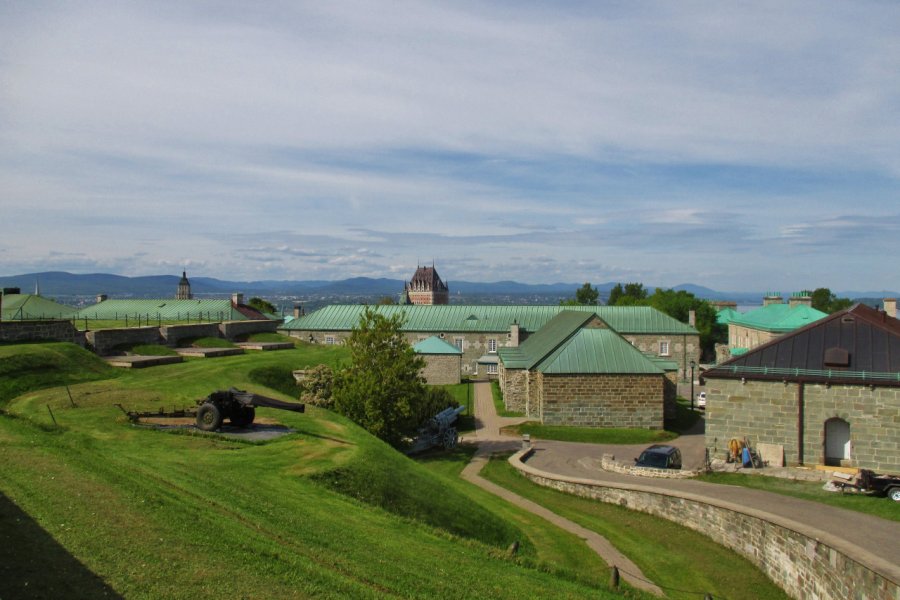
(683, 562)
(141, 513)
(808, 490)
(591, 435)
(497, 396)
(205, 342)
(147, 350)
(685, 418)
(267, 337)
(464, 394)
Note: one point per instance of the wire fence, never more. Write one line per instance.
(126, 320)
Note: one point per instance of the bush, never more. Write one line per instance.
(316, 388)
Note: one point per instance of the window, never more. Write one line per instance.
(492, 345)
(329, 339)
(664, 348)
(492, 369)
(458, 342)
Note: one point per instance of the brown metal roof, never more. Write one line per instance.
(859, 345)
(427, 278)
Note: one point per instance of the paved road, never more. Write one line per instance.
(879, 537)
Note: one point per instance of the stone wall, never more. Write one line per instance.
(513, 384)
(603, 400)
(441, 369)
(804, 562)
(683, 349)
(172, 334)
(40, 331)
(102, 341)
(608, 462)
(767, 412)
(741, 336)
(231, 330)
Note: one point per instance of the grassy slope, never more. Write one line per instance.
(187, 516)
(685, 563)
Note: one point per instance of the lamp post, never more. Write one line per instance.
(693, 364)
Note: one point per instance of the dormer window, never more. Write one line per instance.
(837, 357)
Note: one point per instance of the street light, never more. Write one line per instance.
(693, 366)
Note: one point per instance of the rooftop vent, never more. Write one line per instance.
(837, 357)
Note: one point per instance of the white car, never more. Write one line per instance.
(701, 400)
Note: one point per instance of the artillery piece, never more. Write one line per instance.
(238, 406)
(438, 431)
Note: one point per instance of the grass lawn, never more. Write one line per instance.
(684, 563)
(590, 435)
(206, 342)
(96, 507)
(809, 490)
(464, 394)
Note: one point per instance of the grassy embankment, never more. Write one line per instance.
(683, 562)
(95, 506)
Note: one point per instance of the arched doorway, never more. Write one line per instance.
(837, 441)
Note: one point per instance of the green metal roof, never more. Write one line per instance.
(726, 316)
(548, 338)
(597, 351)
(28, 306)
(162, 309)
(738, 351)
(435, 345)
(779, 318)
(663, 363)
(476, 318)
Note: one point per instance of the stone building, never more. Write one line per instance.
(577, 371)
(828, 393)
(774, 318)
(184, 288)
(442, 361)
(426, 287)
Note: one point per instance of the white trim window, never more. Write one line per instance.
(664, 348)
(492, 345)
(492, 369)
(459, 343)
(329, 340)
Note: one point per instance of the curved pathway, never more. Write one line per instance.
(487, 436)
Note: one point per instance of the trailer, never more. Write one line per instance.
(234, 405)
(867, 482)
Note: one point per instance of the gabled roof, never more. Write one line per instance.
(490, 319)
(28, 306)
(577, 342)
(778, 318)
(435, 345)
(856, 345)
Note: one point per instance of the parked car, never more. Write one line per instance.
(701, 400)
(659, 456)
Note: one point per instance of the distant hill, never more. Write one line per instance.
(60, 284)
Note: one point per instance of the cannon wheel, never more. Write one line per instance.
(209, 417)
(243, 416)
(449, 438)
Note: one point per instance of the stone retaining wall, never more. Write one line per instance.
(102, 341)
(804, 562)
(173, 334)
(608, 463)
(40, 330)
(231, 330)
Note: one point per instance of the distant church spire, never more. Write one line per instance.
(37, 287)
(184, 288)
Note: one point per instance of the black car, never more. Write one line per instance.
(659, 456)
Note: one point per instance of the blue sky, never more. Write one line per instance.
(741, 146)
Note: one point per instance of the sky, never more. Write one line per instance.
(737, 145)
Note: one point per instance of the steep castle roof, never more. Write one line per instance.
(427, 279)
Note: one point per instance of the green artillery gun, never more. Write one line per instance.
(438, 431)
(236, 406)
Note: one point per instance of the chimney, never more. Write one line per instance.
(723, 304)
(772, 298)
(890, 307)
(298, 310)
(237, 299)
(514, 334)
(800, 299)
(692, 318)
(101, 298)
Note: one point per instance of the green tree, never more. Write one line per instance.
(631, 294)
(318, 386)
(263, 306)
(679, 304)
(382, 389)
(825, 300)
(586, 295)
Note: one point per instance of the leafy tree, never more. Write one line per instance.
(318, 386)
(678, 306)
(586, 295)
(382, 389)
(631, 294)
(825, 300)
(263, 306)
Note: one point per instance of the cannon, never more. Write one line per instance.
(237, 406)
(438, 431)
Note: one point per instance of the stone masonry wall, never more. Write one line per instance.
(441, 369)
(805, 563)
(102, 341)
(513, 384)
(172, 334)
(682, 349)
(231, 330)
(767, 411)
(740, 336)
(40, 330)
(603, 400)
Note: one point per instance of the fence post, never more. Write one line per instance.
(55, 424)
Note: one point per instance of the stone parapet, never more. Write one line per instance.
(39, 331)
(608, 463)
(805, 562)
(231, 330)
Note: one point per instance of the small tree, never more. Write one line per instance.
(586, 295)
(318, 386)
(825, 300)
(631, 294)
(382, 390)
(263, 306)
